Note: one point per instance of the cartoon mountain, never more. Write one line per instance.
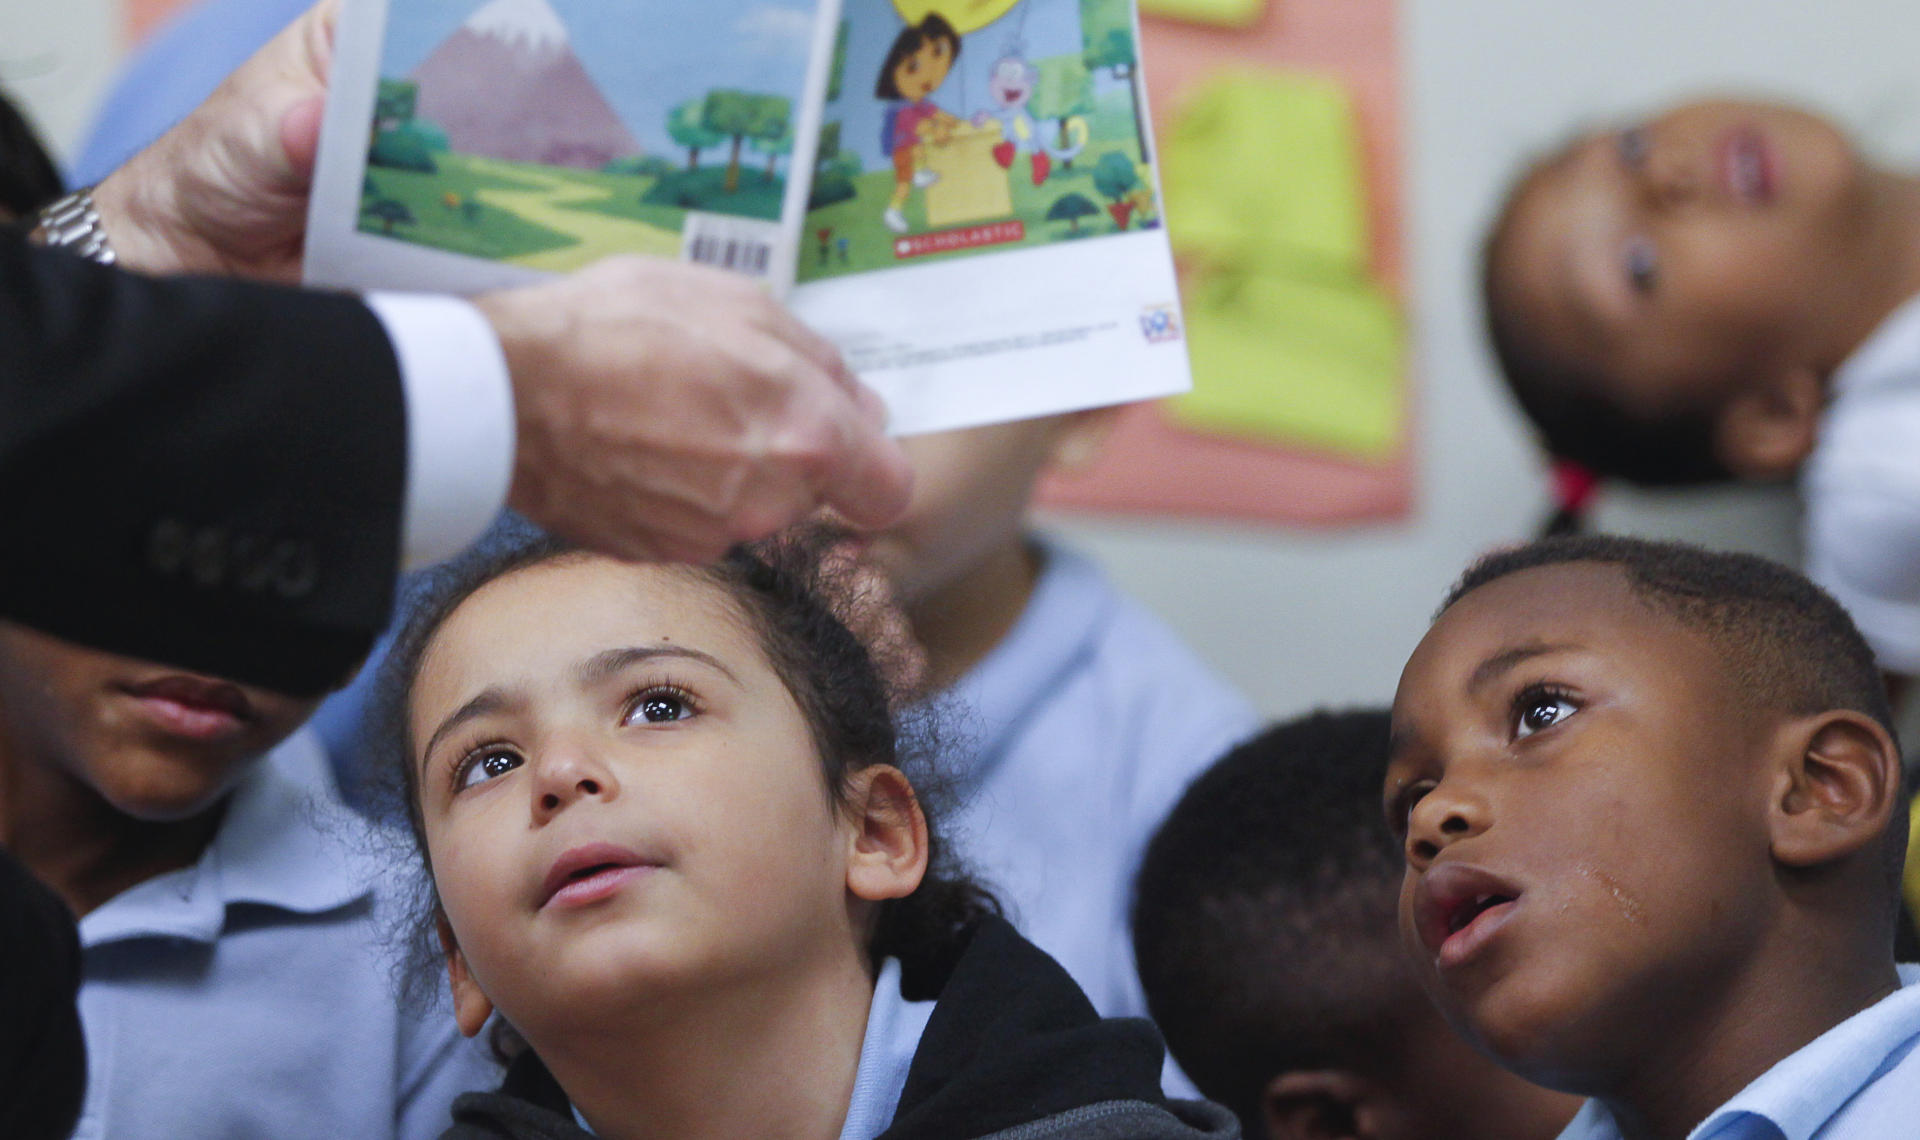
(506, 84)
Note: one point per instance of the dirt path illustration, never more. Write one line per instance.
(598, 234)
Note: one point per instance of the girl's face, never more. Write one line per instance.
(921, 74)
(620, 798)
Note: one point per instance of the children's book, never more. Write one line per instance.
(960, 193)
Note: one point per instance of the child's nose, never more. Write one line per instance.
(566, 773)
(1443, 817)
(1669, 177)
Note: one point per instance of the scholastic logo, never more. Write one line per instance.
(1158, 324)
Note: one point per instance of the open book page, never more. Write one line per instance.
(984, 237)
(471, 144)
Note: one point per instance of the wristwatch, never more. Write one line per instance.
(71, 223)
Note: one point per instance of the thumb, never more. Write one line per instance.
(872, 482)
(300, 136)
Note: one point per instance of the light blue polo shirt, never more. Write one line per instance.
(1859, 1080)
(1077, 734)
(250, 994)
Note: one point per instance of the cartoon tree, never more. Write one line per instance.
(1070, 209)
(1106, 38)
(741, 115)
(1115, 177)
(1065, 89)
(390, 212)
(394, 105)
(836, 78)
(774, 148)
(684, 124)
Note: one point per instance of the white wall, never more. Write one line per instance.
(1307, 618)
(1302, 618)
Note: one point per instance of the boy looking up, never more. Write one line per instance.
(232, 980)
(1263, 922)
(1650, 802)
(1085, 717)
(1731, 290)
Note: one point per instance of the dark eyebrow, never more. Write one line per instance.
(1491, 669)
(610, 662)
(489, 701)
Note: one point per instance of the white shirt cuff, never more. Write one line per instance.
(459, 421)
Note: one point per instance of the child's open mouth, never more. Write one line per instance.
(590, 873)
(1459, 908)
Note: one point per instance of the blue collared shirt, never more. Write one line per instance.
(1081, 730)
(249, 995)
(1859, 1080)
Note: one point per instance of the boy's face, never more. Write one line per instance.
(1583, 801)
(619, 794)
(921, 74)
(1691, 252)
(971, 491)
(157, 743)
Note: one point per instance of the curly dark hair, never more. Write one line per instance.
(798, 602)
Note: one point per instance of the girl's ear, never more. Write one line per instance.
(887, 850)
(1836, 790)
(1767, 431)
(471, 1008)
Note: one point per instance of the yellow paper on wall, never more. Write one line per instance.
(1228, 13)
(1289, 359)
(1266, 164)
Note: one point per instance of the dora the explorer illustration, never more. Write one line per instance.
(916, 65)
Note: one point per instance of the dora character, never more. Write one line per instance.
(917, 64)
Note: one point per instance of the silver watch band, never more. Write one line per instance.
(71, 223)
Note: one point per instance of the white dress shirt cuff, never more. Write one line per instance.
(459, 421)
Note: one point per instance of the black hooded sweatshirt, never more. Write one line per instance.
(1013, 1049)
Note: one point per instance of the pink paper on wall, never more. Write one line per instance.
(1152, 466)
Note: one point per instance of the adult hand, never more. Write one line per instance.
(225, 191)
(668, 410)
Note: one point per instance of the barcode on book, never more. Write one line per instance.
(740, 244)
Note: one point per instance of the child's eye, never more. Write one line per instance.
(1540, 707)
(659, 705)
(1643, 265)
(483, 764)
(1633, 147)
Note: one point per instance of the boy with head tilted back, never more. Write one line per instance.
(1650, 804)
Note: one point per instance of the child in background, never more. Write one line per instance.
(1730, 290)
(672, 844)
(233, 982)
(1264, 924)
(1650, 802)
(1084, 716)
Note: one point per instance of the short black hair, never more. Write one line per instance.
(1264, 913)
(1570, 404)
(1785, 643)
(910, 39)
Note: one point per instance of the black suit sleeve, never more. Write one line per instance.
(198, 471)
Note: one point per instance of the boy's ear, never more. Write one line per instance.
(1081, 435)
(1836, 790)
(1322, 1104)
(1767, 431)
(888, 853)
(471, 1008)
